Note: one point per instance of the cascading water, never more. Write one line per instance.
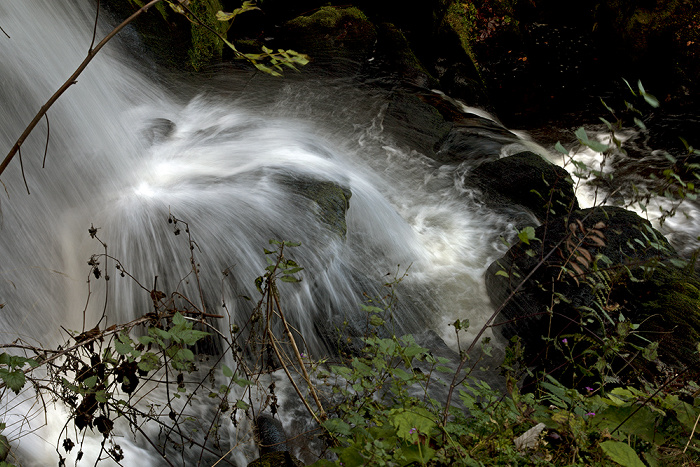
(241, 161)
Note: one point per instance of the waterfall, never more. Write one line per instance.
(240, 159)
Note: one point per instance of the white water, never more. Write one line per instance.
(125, 151)
(624, 173)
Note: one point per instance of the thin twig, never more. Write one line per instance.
(691, 434)
(48, 135)
(3, 31)
(322, 413)
(94, 29)
(21, 166)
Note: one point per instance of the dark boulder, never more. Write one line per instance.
(328, 200)
(595, 273)
(528, 180)
(270, 435)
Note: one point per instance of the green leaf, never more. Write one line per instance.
(242, 405)
(101, 397)
(410, 423)
(149, 362)
(191, 336)
(186, 355)
(178, 319)
(621, 453)
(376, 320)
(527, 234)
(90, 382)
(290, 279)
(561, 148)
(594, 145)
(13, 379)
(145, 340)
(228, 372)
(123, 345)
(336, 425)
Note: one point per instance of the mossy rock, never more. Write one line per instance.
(331, 32)
(668, 308)
(330, 201)
(395, 56)
(172, 39)
(529, 180)
(626, 270)
(206, 47)
(276, 459)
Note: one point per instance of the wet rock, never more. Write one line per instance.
(331, 201)
(270, 435)
(406, 113)
(605, 263)
(394, 56)
(528, 180)
(331, 33)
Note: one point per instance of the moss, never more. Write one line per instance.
(462, 19)
(276, 459)
(669, 310)
(332, 33)
(330, 199)
(206, 47)
(328, 17)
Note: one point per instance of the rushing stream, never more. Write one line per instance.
(130, 145)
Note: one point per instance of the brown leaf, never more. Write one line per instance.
(583, 261)
(576, 268)
(157, 295)
(585, 253)
(597, 241)
(600, 225)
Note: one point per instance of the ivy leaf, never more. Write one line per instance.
(621, 453)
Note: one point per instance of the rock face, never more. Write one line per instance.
(272, 443)
(529, 180)
(270, 435)
(329, 201)
(592, 272)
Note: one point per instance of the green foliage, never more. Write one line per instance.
(11, 370)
